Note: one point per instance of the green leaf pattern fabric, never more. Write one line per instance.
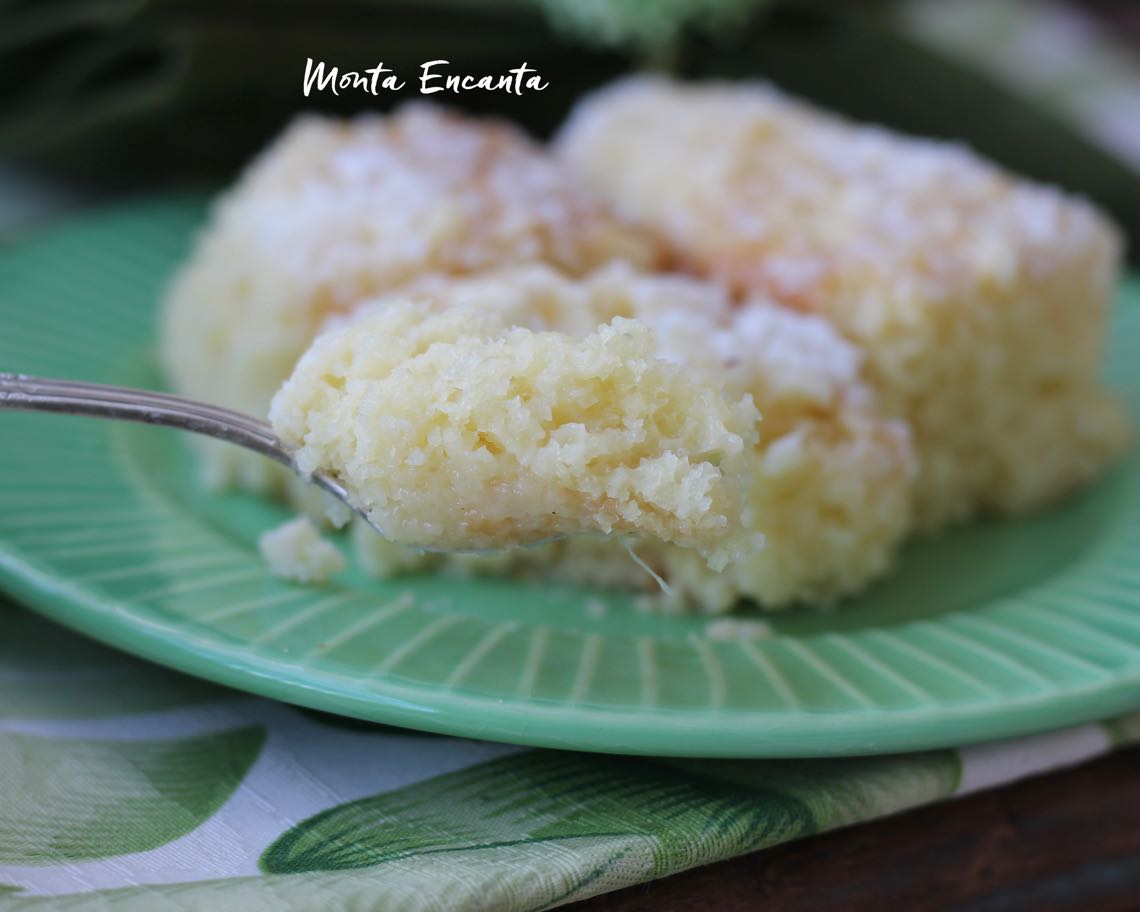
(548, 796)
(126, 786)
(70, 799)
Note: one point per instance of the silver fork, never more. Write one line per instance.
(20, 392)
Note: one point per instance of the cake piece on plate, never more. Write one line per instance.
(979, 298)
(520, 406)
(458, 431)
(335, 211)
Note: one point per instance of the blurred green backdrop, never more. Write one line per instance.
(131, 93)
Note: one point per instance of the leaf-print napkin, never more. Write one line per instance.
(127, 786)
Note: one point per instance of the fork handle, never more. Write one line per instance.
(73, 397)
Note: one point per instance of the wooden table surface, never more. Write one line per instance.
(1066, 841)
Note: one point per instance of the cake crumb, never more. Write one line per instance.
(295, 551)
(730, 628)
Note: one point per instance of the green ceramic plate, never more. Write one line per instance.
(992, 631)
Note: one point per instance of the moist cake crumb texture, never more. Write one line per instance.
(458, 431)
(824, 476)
